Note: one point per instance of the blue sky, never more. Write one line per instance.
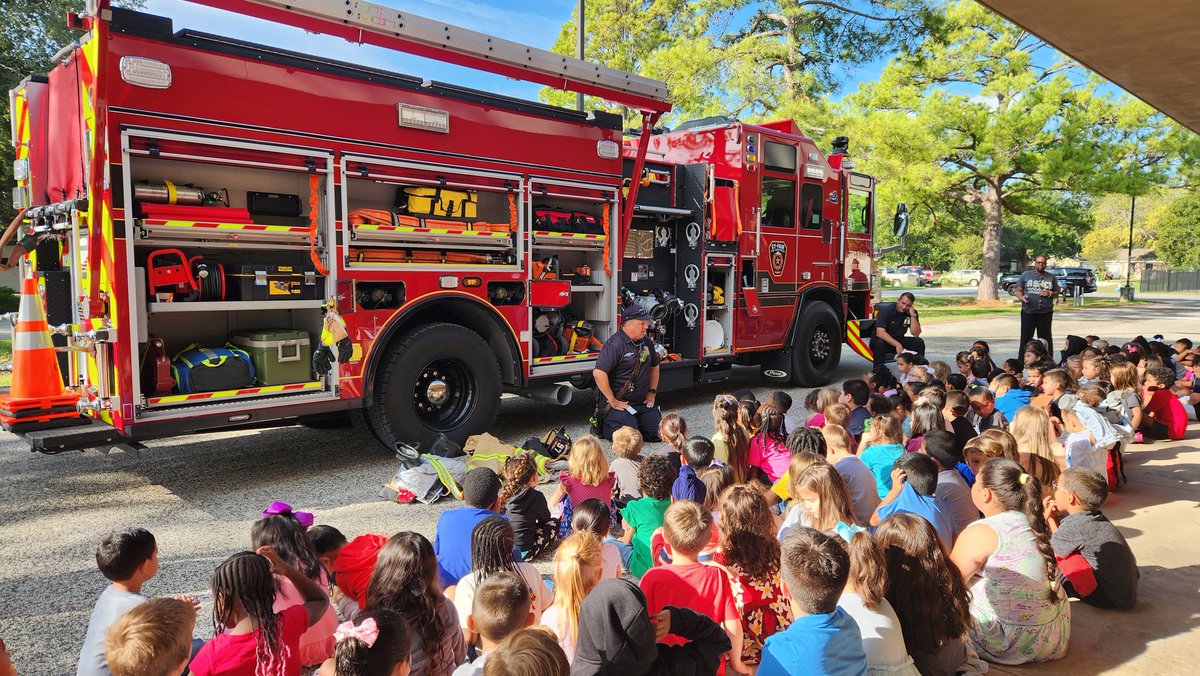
(532, 22)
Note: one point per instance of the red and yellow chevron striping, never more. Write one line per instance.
(856, 342)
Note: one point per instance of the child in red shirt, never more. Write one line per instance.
(254, 638)
(1165, 417)
(687, 583)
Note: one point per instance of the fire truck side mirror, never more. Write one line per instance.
(900, 222)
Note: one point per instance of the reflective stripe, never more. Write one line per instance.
(31, 340)
(444, 475)
(31, 312)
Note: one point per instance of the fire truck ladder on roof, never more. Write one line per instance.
(369, 23)
(364, 22)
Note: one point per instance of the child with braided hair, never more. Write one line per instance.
(1019, 612)
(251, 638)
(406, 581)
(491, 553)
(528, 512)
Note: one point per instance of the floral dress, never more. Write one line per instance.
(1012, 619)
(762, 604)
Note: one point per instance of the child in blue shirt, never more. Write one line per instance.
(914, 482)
(452, 542)
(697, 454)
(822, 639)
(884, 444)
(1009, 395)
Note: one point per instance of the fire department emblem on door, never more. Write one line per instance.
(778, 252)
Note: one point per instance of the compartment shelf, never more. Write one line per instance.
(404, 235)
(567, 240)
(587, 288)
(538, 361)
(234, 305)
(187, 231)
(226, 395)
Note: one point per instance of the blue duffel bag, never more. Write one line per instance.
(212, 369)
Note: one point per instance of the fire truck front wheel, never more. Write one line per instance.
(437, 379)
(818, 346)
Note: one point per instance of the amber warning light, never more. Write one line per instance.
(429, 119)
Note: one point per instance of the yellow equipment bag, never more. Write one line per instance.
(442, 202)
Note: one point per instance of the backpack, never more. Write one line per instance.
(212, 369)
(1115, 468)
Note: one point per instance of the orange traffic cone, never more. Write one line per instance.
(36, 399)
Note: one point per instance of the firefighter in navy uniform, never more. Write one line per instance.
(626, 377)
(891, 323)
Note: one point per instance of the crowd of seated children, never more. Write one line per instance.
(955, 529)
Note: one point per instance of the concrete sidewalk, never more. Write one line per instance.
(1157, 513)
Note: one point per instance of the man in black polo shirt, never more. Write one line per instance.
(1037, 290)
(891, 323)
(626, 376)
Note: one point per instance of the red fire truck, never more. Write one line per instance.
(204, 214)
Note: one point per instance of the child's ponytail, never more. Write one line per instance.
(868, 568)
(575, 564)
(1034, 510)
(372, 644)
(517, 472)
(1016, 490)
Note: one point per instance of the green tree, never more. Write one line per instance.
(744, 58)
(1109, 235)
(1176, 225)
(1002, 124)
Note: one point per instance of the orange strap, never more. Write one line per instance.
(737, 205)
(604, 222)
(512, 212)
(373, 216)
(314, 182)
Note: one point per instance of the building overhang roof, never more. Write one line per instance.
(1151, 49)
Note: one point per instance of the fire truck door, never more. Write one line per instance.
(818, 237)
(856, 245)
(775, 275)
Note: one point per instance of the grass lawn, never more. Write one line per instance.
(5, 358)
(943, 308)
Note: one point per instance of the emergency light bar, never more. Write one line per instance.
(368, 23)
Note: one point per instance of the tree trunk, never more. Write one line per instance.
(991, 245)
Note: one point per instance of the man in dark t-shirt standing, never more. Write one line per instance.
(1036, 290)
(617, 365)
(892, 321)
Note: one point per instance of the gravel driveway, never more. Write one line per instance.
(199, 494)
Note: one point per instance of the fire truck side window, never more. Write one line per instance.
(778, 202)
(860, 212)
(810, 206)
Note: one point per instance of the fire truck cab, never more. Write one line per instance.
(777, 252)
(230, 235)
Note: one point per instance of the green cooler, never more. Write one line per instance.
(280, 356)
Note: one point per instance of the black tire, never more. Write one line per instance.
(439, 378)
(974, 282)
(817, 347)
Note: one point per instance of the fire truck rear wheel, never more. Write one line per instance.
(818, 346)
(439, 378)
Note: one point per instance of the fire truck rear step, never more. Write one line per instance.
(94, 433)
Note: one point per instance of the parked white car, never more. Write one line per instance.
(900, 277)
(969, 277)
